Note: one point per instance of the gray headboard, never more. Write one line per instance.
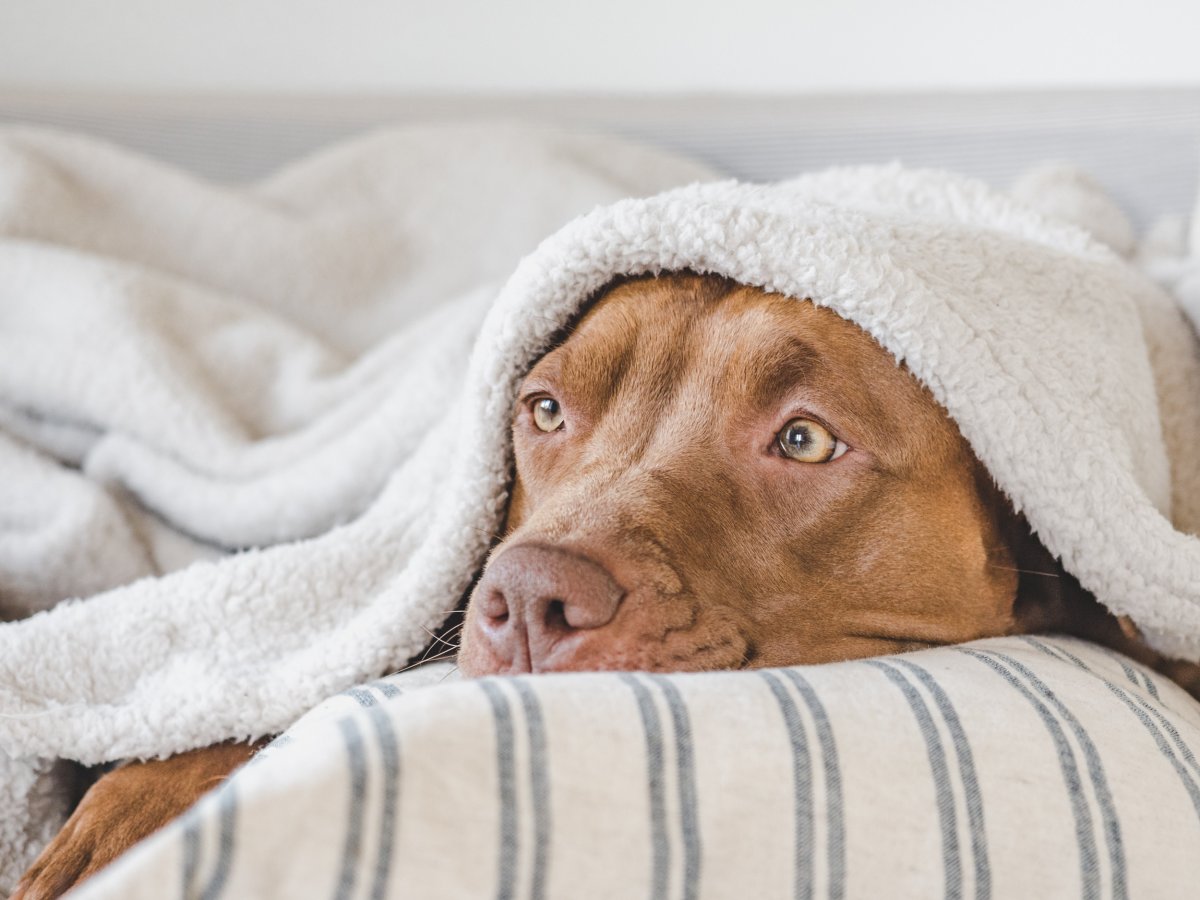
(1143, 145)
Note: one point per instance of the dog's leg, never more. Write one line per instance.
(123, 807)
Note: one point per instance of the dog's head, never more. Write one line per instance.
(711, 476)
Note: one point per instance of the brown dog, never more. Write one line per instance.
(707, 477)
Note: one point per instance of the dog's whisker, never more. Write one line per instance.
(439, 638)
(1025, 571)
(491, 534)
(446, 654)
(431, 652)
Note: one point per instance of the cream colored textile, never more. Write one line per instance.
(188, 370)
(1006, 768)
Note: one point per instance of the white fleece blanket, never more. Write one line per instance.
(188, 370)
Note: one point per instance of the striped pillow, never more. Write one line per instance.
(1011, 767)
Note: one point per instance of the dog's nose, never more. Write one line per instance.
(532, 598)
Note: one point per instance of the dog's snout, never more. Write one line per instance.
(532, 597)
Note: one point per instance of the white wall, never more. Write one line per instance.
(596, 45)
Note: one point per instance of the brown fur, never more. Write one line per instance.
(122, 808)
(729, 555)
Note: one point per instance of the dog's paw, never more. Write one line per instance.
(122, 808)
(118, 811)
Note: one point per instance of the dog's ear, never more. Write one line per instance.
(1046, 593)
(1051, 600)
(1048, 599)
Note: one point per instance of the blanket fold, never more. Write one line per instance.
(187, 370)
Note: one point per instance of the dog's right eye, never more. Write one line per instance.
(547, 414)
(809, 442)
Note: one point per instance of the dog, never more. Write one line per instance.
(707, 476)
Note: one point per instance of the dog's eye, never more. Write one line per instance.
(807, 441)
(547, 414)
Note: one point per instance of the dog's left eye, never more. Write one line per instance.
(807, 441)
(547, 414)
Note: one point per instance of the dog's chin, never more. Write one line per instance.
(477, 660)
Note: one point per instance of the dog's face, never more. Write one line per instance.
(709, 476)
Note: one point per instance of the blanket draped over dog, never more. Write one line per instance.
(317, 372)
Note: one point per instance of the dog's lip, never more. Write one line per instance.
(565, 650)
(626, 654)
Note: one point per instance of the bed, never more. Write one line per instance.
(1078, 776)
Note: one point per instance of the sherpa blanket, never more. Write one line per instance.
(379, 466)
(265, 383)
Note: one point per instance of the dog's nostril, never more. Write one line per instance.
(495, 607)
(556, 615)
